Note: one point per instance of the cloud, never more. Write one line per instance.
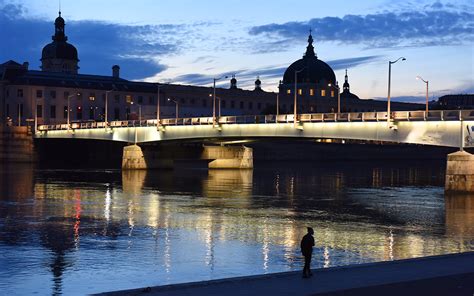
(100, 45)
(435, 25)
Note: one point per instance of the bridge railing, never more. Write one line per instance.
(283, 118)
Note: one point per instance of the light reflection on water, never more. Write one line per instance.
(79, 232)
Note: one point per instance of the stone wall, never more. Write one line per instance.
(16, 144)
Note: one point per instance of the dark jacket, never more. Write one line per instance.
(307, 244)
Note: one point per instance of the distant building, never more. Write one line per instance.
(453, 102)
(26, 94)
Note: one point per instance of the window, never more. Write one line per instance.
(332, 94)
(65, 112)
(116, 114)
(140, 99)
(323, 93)
(311, 92)
(241, 105)
(117, 98)
(19, 93)
(259, 105)
(66, 94)
(300, 91)
(127, 113)
(91, 112)
(128, 99)
(39, 93)
(52, 111)
(193, 101)
(204, 103)
(223, 104)
(151, 100)
(92, 97)
(39, 111)
(288, 91)
(52, 94)
(250, 105)
(232, 104)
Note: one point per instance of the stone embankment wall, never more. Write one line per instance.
(16, 144)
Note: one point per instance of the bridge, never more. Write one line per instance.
(439, 128)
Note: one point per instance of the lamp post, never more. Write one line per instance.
(295, 108)
(69, 108)
(426, 82)
(177, 108)
(106, 118)
(389, 78)
(219, 105)
(338, 97)
(214, 100)
(278, 105)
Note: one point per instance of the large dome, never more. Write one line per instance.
(59, 50)
(312, 69)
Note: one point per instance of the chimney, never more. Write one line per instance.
(116, 71)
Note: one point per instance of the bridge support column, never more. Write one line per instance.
(460, 172)
(136, 158)
(228, 157)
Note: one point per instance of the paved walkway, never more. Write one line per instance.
(437, 275)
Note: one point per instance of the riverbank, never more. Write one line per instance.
(436, 275)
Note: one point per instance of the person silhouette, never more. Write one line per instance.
(307, 244)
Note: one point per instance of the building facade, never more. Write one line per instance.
(59, 92)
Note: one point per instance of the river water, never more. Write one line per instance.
(75, 232)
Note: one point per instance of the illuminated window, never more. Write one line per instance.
(323, 93)
(288, 91)
(300, 91)
(311, 92)
(92, 97)
(128, 99)
(332, 94)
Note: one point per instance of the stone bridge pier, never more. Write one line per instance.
(460, 172)
(217, 157)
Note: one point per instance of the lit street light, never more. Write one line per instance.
(106, 118)
(214, 100)
(425, 81)
(389, 78)
(177, 106)
(296, 97)
(69, 108)
(338, 97)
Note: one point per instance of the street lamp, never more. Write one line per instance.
(338, 97)
(106, 118)
(177, 108)
(69, 107)
(158, 103)
(425, 81)
(295, 97)
(389, 78)
(219, 104)
(214, 100)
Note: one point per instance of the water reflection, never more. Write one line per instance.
(162, 227)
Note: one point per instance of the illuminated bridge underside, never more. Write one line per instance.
(438, 133)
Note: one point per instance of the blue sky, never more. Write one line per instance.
(191, 42)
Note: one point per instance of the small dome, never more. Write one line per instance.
(59, 50)
(258, 82)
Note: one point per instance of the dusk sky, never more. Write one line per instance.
(191, 42)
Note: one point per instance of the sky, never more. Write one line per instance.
(192, 42)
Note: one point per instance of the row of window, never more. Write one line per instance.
(311, 92)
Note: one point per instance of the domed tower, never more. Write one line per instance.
(258, 84)
(346, 93)
(233, 83)
(59, 56)
(310, 77)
